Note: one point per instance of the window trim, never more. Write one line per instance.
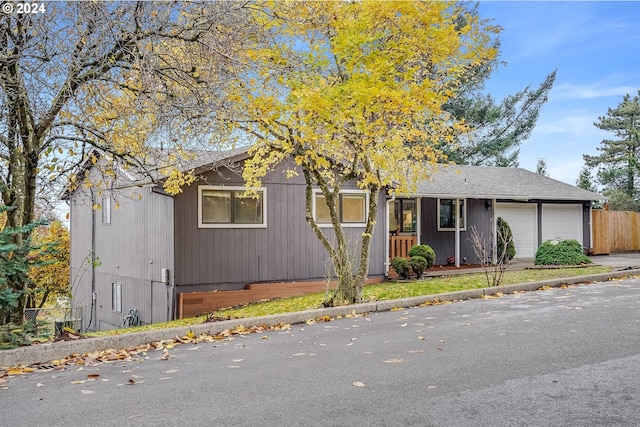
(317, 191)
(464, 214)
(202, 188)
(105, 207)
(116, 297)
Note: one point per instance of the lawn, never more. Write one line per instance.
(382, 291)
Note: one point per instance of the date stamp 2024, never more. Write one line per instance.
(23, 8)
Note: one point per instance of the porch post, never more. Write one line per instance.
(457, 217)
(494, 228)
(387, 235)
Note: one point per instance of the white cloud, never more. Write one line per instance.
(590, 91)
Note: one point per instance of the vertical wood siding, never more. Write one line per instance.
(443, 242)
(286, 250)
(132, 250)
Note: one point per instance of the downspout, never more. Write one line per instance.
(457, 217)
(94, 314)
(387, 236)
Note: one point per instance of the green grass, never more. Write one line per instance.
(382, 291)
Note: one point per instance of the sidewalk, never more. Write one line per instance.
(42, 353)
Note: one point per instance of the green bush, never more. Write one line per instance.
(505, 235)
(401, 266)
(564, 252)
(425, 252)
(418, 265)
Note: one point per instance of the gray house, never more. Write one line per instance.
(143, 247)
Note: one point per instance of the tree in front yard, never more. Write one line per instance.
(119, 77)
(354, 92)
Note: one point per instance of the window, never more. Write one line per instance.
(446, 211)
(352, 208)
(403, 216)
(106, 210)
(230, 207)
(116, 297)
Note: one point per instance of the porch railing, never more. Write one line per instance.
(399, 246)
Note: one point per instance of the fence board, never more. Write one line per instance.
(615, 231)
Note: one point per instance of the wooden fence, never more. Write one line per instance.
(615, 231)
(399, 246)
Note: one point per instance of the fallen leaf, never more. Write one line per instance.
(78, 382)
(131, 382)
(171, 371)
(403, 325)
(39, 385)
(393, 361)
(93, 376)
(421, 338)
(359, 384)
(87, 391)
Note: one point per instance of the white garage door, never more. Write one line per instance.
(561, 222)
(524, 226)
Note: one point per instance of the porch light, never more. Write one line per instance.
(487, 204)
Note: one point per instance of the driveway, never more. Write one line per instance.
(554, 357)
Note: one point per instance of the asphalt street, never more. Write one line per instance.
(566, 357)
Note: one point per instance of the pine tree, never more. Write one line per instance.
(541, 167)
(618, 161)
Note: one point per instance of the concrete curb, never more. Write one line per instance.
(43, 353)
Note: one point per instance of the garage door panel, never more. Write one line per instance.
(524, 226)
(562, 222)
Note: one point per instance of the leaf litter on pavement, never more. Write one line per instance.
(138, 353)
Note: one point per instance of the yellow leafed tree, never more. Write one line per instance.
(353, 91)
(51, 276)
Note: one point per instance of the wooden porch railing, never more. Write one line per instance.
(399, 246)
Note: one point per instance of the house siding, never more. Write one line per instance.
(132, 250)
(286, 250)
(443, 242)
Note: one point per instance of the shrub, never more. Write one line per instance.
(401, 266)
(425, 252)
(418, 265)
(564, 252)
(505, 235)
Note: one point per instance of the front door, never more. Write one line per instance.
(403, 226)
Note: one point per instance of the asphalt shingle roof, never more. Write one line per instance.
(499, 183)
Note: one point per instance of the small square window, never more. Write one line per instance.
(352, 208)
(116, 297)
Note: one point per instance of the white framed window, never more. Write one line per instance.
(116, 297)
(352, 208)
(106, 210)
(446, 214)
(231, 207)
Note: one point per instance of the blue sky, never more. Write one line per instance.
(595, 47)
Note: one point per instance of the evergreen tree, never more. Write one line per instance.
(541, 167)
(585, 180)
(618, 161)
(498, 127)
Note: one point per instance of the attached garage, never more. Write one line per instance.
(522, 220)
(562, 221)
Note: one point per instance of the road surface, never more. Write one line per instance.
(555, 357)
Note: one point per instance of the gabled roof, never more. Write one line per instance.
(149, 172)
(498, 183)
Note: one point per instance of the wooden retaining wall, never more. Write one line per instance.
(198, 303)
(615, 231)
